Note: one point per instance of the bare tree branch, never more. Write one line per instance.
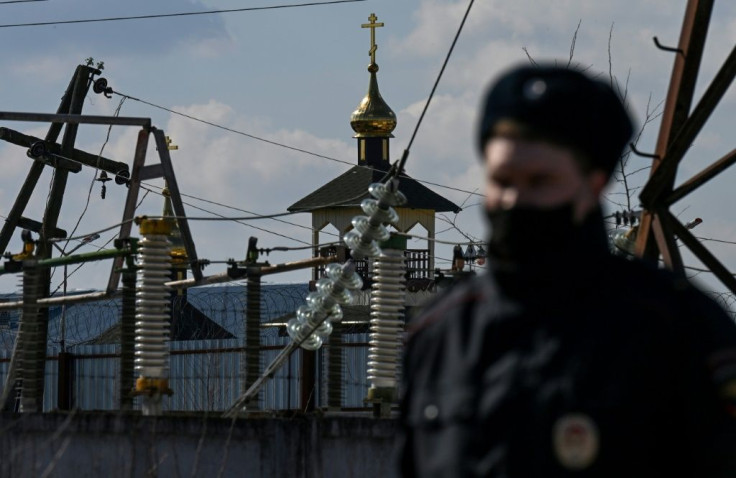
(529, 57)
(572, 43)
(451, 222)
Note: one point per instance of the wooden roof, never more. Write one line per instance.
(350, 188)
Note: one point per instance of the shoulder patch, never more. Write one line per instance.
(576, 441)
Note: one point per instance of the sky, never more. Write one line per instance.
(294, 76)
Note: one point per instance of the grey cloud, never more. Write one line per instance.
(153, 36)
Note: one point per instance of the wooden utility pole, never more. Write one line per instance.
(32, 371)
(63, 157)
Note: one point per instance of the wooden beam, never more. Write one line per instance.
(58, 119)
(134, 186)
(35, 353)
(35, 226)
(78, 157)
(186, 233)
(58, 185)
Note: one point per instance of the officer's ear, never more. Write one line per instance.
(597, 180)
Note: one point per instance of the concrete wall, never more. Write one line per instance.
(115, 445)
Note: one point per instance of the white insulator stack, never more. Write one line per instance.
(152, 317)
(387, 310)
(369, 230)
(387, 294)
(323, 306)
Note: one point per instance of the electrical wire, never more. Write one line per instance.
(100, 231)
(231, 130)
(256, 216)
(236, 218)
(94, 178)
(438, 241)
(253, 217)
(281, 145)
(99, 248)
(245, 211)
(225, 218)
(79, 266)
(300, 248)
(177, 14)
(311, 229)
(715, 240)
(219, 217)
(434, 88)
(269, 250)
(86, 206)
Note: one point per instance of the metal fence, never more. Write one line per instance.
(206, 374)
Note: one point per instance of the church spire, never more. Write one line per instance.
(373, 121)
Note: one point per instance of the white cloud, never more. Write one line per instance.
(256, 176)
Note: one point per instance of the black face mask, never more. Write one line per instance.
(531, 236)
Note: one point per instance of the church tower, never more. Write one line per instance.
(338, 201)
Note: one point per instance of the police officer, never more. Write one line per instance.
(563, 360)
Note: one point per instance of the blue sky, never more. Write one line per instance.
(295, 75)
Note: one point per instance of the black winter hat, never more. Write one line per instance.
(564, 106)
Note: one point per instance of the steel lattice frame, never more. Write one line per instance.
(680, 125)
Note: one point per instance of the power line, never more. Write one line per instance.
(100, 231)
(258, 138)
(220, 217)
(716, 240)
(438, 241)
(311, 229)
(276, 143)
(169, 15)
(245, 211)
(21, 1)
(268, 250)
(94, 178)
(434, 88)
(254, 216)
(99, 248)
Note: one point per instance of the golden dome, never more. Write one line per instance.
(373, 118)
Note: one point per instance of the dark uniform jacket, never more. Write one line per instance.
(588, 366)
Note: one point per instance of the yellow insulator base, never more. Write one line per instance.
(151, 386)
(179, 256)
(381, 398)
(155, 226)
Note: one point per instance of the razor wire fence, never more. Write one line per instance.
(207, 351)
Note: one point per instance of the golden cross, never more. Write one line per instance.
(169, 146)
(372, 25)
